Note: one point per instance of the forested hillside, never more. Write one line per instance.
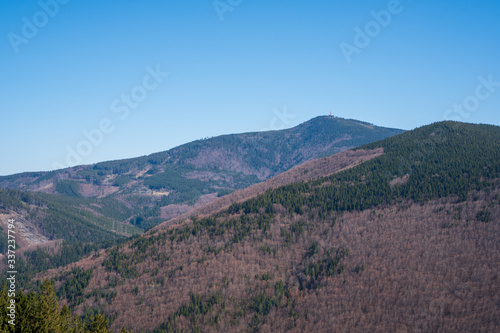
(141, 192)
(40, 312)
(436, 161)
(304, 172)
(60, 217)
(408, 240)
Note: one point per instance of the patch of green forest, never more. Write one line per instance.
(39, 312)
(445, 159)
(439, 160)
(72, 218)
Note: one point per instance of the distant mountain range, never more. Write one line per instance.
(119, 198)
(401, 234)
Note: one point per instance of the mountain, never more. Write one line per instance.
(405, 240)
(303, 172)
(129, 196)
(44, 219)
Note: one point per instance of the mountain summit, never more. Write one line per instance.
(405, 240)
(138, 193)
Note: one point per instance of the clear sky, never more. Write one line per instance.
(86, 81)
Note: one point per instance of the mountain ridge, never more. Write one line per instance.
(144, 191)
(303, 172)
(310, 127)
(352, 250)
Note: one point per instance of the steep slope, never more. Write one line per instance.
(162, 185)
(408, 240)
(304, 172)
(42, 218)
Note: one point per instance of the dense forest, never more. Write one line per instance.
(261, 263)
(67, 218)
(40, 312)
(32, 262)
(435, 161)
(411, 234)
(275, 151)
(110, 200)
(128, 194)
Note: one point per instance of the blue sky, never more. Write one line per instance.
(86, 81)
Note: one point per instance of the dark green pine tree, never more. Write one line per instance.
(98, 324)
(66, 320)
(26, 307)
(78, 326)
(47, 318)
